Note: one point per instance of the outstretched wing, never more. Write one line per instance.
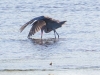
(26, 24)
(30, 22)
(36, 27)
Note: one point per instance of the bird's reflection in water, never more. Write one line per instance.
(49, 41)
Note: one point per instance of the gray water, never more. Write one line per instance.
(77, 48)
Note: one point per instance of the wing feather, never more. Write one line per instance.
(36, 27)
(26, 24)
(30, 22)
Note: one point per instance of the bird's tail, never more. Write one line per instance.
(26, 24)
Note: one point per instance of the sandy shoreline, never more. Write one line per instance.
(67, 72)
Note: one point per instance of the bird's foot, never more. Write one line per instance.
(29, 37)
(41, 42)
(56, 39)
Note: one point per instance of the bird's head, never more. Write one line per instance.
(62, 22)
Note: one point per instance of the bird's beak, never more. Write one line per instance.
(65, 21)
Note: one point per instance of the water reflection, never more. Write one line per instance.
(48, 41)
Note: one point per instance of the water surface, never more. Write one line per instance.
(77, 48)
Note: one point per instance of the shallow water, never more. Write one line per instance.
(77, 48)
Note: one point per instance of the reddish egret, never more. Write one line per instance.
(43, 23)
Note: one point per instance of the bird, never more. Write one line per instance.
(43, 23)
(50, 63)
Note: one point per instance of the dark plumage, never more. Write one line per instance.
(43, 23)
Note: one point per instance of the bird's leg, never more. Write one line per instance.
(41, 34)
(56, 33)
